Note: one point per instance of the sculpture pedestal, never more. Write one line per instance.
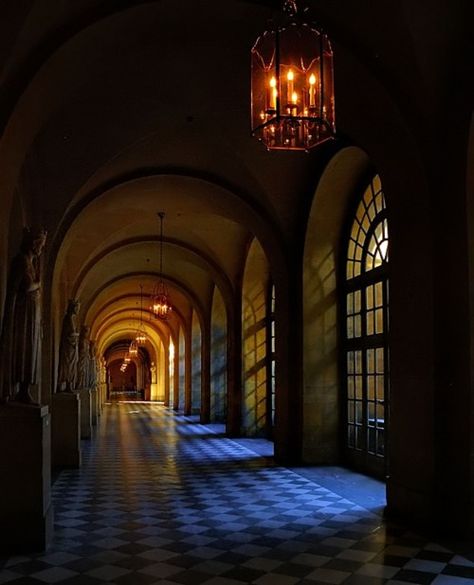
(26, 511)
(66, 434)
(95, 407)
(86, 413)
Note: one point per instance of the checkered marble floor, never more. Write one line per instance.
(161, 499)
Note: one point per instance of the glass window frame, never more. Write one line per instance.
(366, 459)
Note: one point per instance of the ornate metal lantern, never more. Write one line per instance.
(160, 300)
(133, 348)
(292, 84)
(140, 336)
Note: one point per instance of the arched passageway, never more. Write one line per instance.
(112, 113)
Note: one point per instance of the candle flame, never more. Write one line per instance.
(290, 75)
(294, 97)
(312, 79)
(273, 82)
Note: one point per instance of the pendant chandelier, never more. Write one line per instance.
(292, 84)
(133, 348)
(140, 337)
(160, 300)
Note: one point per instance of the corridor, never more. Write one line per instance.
(162, 499)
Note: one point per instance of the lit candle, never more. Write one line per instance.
(294, 103)
(312, 91)
(273, 93)
(290, 77)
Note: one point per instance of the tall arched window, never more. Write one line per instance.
(366, 333)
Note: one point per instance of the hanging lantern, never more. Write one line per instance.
(133, 348)
(292, 84)
(140, 337)
(160, 300)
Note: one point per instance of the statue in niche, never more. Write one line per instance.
(153, 372)
(21, 331)
(68, 349)
(93, 366)
(83, 359)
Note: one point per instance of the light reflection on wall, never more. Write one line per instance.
(254, 343)
(181, 357)
(171, 371)
(218, 359)
(195, 365)
(321, 408)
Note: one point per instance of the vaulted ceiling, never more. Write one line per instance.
(115, 110)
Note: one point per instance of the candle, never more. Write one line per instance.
(312, 91)
(290, 77)
(273, 94)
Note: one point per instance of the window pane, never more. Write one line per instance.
(369, 297)
(371, 414)
(380, 361)
(350, 412)
(370, 323)
(350, 387)
(350, 304)
(360, 436)
(370, 361)
(357, 296)
(351, 436)
(380, 387)
(379, 321)
(358, 386)
(350, 327)
(357, 326)
(371, 387)
(350, 362)
(372, 438)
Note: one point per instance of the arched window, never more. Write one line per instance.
(366, 333)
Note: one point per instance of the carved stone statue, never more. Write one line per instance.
(83, 361)
(93, 366)
(21, 331)
(68, 350)
(153, 372)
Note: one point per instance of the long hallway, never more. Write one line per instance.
(162, 499)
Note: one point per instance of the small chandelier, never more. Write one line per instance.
(292, 84)
(160, 300)
(140, 337)
(133, 348)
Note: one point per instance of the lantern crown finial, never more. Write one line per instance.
(290, 8)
